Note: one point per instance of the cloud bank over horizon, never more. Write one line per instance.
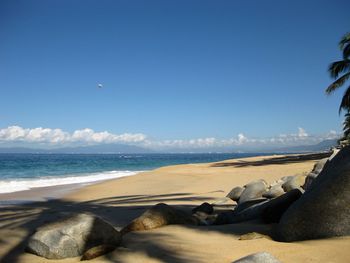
(47, 137)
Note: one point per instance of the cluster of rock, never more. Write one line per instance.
(304, 206)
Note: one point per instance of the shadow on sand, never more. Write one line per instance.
(276, 160)
(116, 210)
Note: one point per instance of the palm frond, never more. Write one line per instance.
(346, 51)
(345, 40)
(345, 102)
(339, 67)
(338, 83)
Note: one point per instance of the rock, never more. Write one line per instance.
(274, 191)
(247, 204)
(261, 257)
(334, 153)
(235, 193)
(309, 180)
(319, 165)
(276, 207)
(204, 208)
(253, 190)
(323, 210)
(97, 251)
(157, 216)
(316, 170)
(223, 201)
(295, 182)
(72, 236)
(251, 213)
(223, 204)
(253, 235)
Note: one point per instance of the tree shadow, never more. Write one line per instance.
(116, 210)
(275, 160)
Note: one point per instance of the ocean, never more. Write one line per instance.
(19, 172)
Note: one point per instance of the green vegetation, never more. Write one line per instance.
(340, 71)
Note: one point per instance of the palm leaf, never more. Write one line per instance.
(338, 83)
(345, 40)
(346, 51)
(345, 102)
(339, 67)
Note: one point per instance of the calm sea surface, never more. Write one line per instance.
(26, 171)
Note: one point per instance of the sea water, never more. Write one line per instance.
(19, 172)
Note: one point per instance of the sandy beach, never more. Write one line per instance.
(121, 200)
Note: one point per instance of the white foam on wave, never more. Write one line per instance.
(10, 186)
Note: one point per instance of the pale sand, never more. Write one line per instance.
(121, 200)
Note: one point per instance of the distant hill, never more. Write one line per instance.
(319, 147)
(95, 149)
(123, 148)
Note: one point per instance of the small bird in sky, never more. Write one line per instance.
(99, 85)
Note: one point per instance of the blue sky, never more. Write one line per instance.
(171, 70)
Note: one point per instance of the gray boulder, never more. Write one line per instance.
(323, 211)
(159, 215)
(72, 236)
(294, 182)
(274, 191)
(235, 193)
(260, 257)
(316, 171)
(319, 165)
(253, 190)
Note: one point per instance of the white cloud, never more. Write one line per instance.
(55, 136)
(88, 137)
(302, 132)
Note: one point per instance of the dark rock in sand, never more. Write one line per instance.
(261, 257)
(278, 206)
(323, 210)
(204, 208)
(72, 236)
(247, 204)
(235, 193)
(253, 190)
(251, 213)
(159, 215)
(97, 251)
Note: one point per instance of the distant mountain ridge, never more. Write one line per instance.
(128, 149)
(321, 146)
(95, 149)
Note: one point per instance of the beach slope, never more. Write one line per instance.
(185, 186)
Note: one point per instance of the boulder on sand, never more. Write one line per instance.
(253, 190)
(295, 182)
(204, 208)
(235, 193)
(316, 171)
(323, 210)
(261, 257)
(159, 215)
(278, 206)
(274, 191)
(72, 236)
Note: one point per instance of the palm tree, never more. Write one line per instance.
(340, 71)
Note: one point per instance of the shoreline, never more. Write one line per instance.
(119, 201)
